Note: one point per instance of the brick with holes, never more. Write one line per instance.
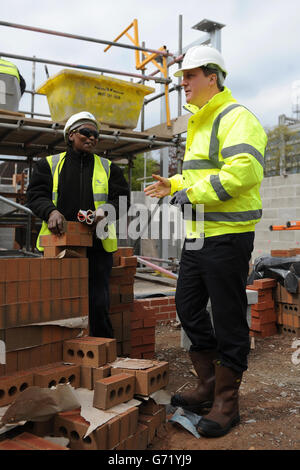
(113, 391)
(12, 385)
(85, 352)
(62, 373)
(148, 380)
(74, 427)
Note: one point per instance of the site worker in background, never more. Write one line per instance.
(223, 170)
(12, 85)
(77, 179)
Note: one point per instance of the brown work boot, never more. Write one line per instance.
(225, 410)
(201, 398)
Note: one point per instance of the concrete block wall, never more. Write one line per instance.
(281, 203)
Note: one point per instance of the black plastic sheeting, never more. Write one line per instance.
(285, 270)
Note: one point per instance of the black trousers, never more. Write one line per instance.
(100, 265)
(218, 271)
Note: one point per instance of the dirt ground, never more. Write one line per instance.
(269, 397)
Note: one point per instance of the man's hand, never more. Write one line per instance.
(160, 189)
(56, 223)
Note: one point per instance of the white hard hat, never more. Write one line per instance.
(77, 120)
(199, 56)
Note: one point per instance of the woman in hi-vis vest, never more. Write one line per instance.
(77, 179)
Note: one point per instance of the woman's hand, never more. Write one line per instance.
(56, 223)
(160, 189)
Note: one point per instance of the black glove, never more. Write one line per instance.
(180, 198)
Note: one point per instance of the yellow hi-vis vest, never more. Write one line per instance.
(9, 68)
(223, 166)
(100, 192)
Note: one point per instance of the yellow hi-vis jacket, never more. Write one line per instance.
(9, 68)
(100, 192)
(223, 166)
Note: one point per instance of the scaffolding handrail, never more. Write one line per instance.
(85, 67)
(82, 38)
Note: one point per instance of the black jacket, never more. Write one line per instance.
(74, 187)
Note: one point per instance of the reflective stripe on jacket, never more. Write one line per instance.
(9, 68)
(100, 194)
(223, 165)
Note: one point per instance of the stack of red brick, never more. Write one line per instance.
(263, 313)
(34, 291)
(39, 290)
(146, 314)
(121, 286)
(287, 304)
(89, 364)
(288, 310)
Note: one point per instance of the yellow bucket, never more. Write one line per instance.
(115, 102)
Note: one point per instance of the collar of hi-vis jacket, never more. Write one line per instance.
(223, 97)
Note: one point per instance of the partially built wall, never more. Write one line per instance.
(281, 203)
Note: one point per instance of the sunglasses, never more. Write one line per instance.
(88, 132)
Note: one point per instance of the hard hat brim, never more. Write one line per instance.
(179, 72)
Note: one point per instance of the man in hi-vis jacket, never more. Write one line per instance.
(222, 170)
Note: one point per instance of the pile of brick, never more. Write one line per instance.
(34, 291)
(288, 310)
(287, 304)
(263, 313)
(91, 363)
(145, 315)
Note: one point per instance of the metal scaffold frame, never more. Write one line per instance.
(26, 138)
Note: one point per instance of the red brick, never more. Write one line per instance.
(139, 324)
(11, 362)
(265, 283)
(52, 251)
(9, 444)
(268, 329)
(58, 374)
(23, 269)
(113, 390)
(35, 268)
(264, 316)
(90, 353)
(128, 261)
(11, 292)
(114, 425)
(36, 443)
(263, 305)
(12, 315)
(23, 291)
(11, 269)
(45, 268)
(75, 427)
(12, 385)
(167, 309)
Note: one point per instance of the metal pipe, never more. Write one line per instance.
(82, 38)
(35, 114)
(157, 268)
(33, 88)
(15, 204)
(168, 261)
(84, 67)
(179, 97)
(159, 95)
